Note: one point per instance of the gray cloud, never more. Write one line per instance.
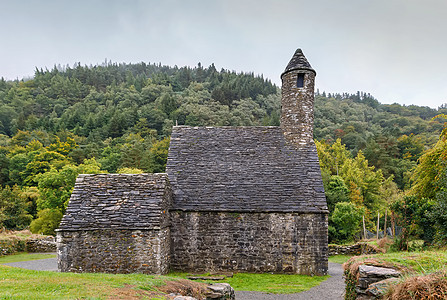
(393, 49)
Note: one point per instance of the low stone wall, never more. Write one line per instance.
(249, 242)
(11, 246)
(46, 244)
(35, 244)
(356, 249)
(114, 251)
(366, 282)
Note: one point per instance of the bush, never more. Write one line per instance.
(439, 215)
(13, 208)
(345, 221)
(129, 171)
(414, 215)
(48, 220)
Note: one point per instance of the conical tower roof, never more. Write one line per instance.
(298, 62)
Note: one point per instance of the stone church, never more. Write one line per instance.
(246, 199)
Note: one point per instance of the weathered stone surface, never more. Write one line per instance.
(369, 275)
(356, 249)
(379, 288)
(114, 251)
(116, 223)
(249, 242)
(121, 201)
(206, 277)
(184, 298)
(297, 104)
(243, 169)
(220, 291)
(46, 244)
(379, 272)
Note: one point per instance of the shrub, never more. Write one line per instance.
(48, 220)
(346, 221)
(129, 171)
(13, 208)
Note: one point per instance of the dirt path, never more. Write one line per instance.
(331, 289)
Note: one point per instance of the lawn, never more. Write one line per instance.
(420, 261)
(17, 283)
(339, 259)
(267, 282)
(23, 256)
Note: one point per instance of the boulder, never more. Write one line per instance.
(379, 288)
(220, 291)
(369, 275)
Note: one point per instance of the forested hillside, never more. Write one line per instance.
(118, 118)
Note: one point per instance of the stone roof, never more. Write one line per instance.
(243, 169)
(118, 201)
(298, 62)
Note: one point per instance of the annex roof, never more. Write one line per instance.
(118, 201)
(242, 169)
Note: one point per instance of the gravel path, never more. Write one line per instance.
(47, 264)
(331, 289)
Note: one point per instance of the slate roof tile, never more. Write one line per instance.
(245, 169)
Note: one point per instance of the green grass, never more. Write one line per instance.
(24, 257)
(339, 259)
(266, 282)
(17, 283)
(26, 284)
(420, 261)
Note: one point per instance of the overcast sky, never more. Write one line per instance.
(394, 49)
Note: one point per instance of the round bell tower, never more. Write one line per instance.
(297, 103)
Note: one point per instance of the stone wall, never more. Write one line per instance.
(249, 242)
(356, 249)
(367, 282)
(114, 251)
(44, 244)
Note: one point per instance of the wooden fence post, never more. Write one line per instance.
(364, 228)
(384, 230)
(378, 216)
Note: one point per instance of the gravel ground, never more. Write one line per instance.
(48, 264)
(331, 289)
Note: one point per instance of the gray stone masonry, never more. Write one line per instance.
(44, 244)
(116, 223)
(297, 104)
(114, 251)
(249, 242)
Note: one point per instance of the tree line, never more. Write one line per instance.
(118, 118)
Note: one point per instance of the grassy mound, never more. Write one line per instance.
(432, 286)
(425, 273)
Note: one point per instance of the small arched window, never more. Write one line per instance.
(300, 80)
